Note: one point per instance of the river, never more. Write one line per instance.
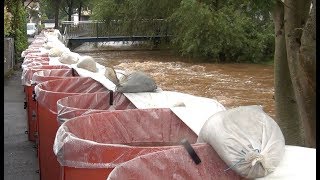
(232, 85)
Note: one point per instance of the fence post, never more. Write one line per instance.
(97, 28)
(8, 60)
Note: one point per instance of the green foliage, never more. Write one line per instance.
(19, 26)
(133, 9)
(7, 22)
(238, 31)
(47, 9)
(133, 17)
(225, 34)
(105, 10)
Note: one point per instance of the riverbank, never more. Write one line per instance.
(104, 47)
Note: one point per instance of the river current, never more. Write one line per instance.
(232, 85)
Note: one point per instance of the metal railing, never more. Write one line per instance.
(156, 27)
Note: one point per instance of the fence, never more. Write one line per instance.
(8, 54)
(155, 27)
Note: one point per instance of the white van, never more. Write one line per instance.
(32, 29)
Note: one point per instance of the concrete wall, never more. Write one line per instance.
(8, 54)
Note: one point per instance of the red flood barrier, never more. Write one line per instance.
(91, 146)
(30, 104)
(47, 95)
(73, 106)
(176, 164)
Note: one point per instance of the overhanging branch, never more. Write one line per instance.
(28, 4)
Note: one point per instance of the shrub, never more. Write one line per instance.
(7, 22)
(224, 34)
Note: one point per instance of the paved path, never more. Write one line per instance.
(20, 161)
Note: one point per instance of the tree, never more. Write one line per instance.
(18, 25)
(295, 70)
(79, 4)
(69, 4)
(222, 31)
(7, 22)
(56, 13)
(52, 9)
(46, 8)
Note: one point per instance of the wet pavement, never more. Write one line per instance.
(20, 160)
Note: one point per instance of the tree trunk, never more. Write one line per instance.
(295, 14)
(79, 11)
(56, 13)
(307, 60)
(286, 108)
(70, 9)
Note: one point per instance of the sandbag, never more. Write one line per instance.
(110, 74)
(50, 45)
(88, 63)
(248, 140)
(69, 58)
(57, 51)
(136, 82)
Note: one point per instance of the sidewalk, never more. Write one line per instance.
(20, 160)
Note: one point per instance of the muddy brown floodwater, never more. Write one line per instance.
(232, 85)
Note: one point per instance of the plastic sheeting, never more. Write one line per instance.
(30, 64)
(28, 72)
(192, 110)
(29, 50)
(105, 140)
(47, 92)
(31, 60)
(51, 74)
(41, 54)
(298, 163)
(98, 76)
(175, 164)
(38, 58)
(34, 50)
(73, 106)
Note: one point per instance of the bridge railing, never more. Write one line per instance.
(156, 27)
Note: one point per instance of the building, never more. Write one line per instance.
(49, 23)
(85, 14)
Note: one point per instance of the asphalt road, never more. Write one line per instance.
(20, 161)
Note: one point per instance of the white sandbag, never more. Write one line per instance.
(88, 63)
(247, 139)
(57, 51)
(69, 58)
(50, 45)
(136, 82)
(111, 74)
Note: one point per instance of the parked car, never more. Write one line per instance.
(32, 29)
